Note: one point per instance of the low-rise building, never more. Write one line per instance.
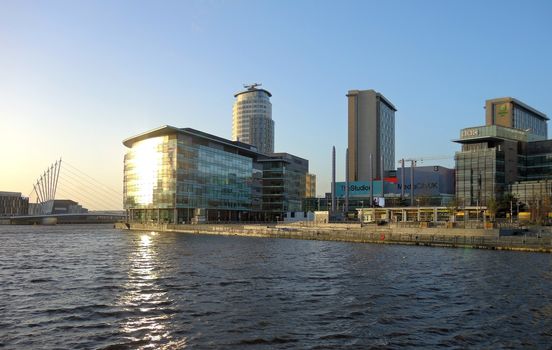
(13, 204)
(177, 175)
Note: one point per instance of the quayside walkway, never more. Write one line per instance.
(437, 237)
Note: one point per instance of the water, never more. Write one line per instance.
(93, 287)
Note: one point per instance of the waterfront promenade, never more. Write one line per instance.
(389, 234)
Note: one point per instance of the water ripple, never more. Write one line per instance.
(87, 287)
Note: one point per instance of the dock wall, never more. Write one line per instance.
(439, 237)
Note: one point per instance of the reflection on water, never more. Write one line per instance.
(79, 287)
(146, 300)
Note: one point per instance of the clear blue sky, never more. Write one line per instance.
(77, 77)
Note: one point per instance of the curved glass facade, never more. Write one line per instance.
(168, 178)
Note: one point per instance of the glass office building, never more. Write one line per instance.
(177, 175)
(284, 183)
(495, 160)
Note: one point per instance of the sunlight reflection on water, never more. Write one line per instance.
(147, 300)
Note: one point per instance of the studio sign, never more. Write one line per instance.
(421, 186)
(355, 188)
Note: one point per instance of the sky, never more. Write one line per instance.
(78, 77)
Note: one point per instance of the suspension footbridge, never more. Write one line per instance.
(64, 193)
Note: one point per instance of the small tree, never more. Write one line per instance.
(492, 207)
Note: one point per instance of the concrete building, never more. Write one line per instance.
(13, 204)
(512, 113)
(371, 135)
(179, 175)
(252, 118)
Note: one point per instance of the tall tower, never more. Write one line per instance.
(252, 118)
(371, 135)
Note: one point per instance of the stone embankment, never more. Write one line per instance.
(438, 237)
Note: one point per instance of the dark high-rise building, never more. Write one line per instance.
(371, 135)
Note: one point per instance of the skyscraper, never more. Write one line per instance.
(252, 118)
(371, 135)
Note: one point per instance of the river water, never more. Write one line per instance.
(94, 287)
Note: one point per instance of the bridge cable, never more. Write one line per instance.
(77, 178)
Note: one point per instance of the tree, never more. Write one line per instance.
(492, 207)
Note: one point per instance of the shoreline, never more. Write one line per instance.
(355, 233)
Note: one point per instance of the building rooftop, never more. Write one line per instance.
(491, 132)
(167, 130)
(519, 103)
(385, 100)
(251, 88)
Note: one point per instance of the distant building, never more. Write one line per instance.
(252, 119)
(512, 113)
(433, 185)
(310, 186)
(185, 175)
(13, 204)
(57, 206)
(67, 206)
(371, 134)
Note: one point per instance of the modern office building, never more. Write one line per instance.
(252, 118)
(13, 204)
(371, 135)
(504, 156)
(512, 113)
(185, 175)
(284, 183)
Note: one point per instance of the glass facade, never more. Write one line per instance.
(526, 120)
(387, 135)
(532, 192)
(493, 158)
(175, 174)
(284, 183)
(211, 178)
(479, 175)
(188, 175)
(149, 173)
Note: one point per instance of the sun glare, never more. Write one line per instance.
(146, 240)
(146, 164)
